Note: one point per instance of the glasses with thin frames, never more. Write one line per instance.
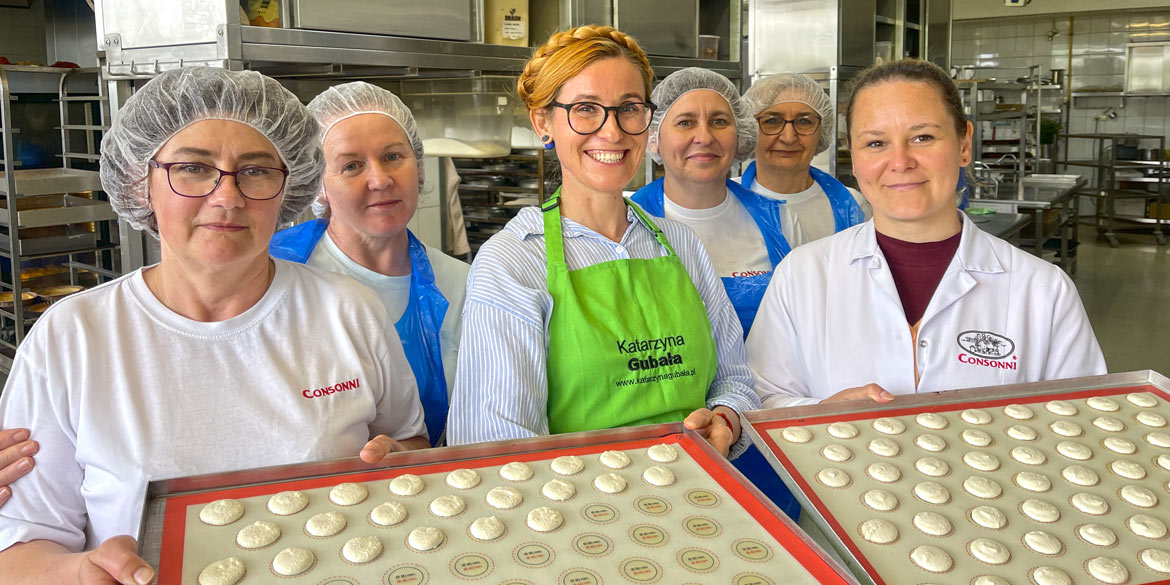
(586, 118)
(772, 124)
(195, 180)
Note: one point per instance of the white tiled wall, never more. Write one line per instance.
(22, 33)
(1004, 48)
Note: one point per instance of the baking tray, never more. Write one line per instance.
(30, 182)
(49, 210)
(710, 526)
(840, 511)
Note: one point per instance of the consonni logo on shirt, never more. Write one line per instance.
(984, 348)
(331, 389)
(747, 273)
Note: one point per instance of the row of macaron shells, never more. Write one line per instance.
(364, 549)
(933, 559)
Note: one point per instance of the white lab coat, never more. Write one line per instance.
(832, 319)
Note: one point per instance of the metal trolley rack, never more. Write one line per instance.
(1107, 190)
(52, 213)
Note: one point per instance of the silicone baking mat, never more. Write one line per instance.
(1052, 488)
(705, 527)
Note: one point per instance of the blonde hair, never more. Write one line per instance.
(566, 53)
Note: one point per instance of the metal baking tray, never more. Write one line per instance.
(58, 209)
(749, 518)
(841, 536)
(31, 182)
(44, 240)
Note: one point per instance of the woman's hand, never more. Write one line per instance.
(16, 459)
(714, 428)
(114, 562)
(869, 391)
(381, 446)
(44, 561)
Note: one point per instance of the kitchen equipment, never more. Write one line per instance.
(709, 47)
(883, 52)
(505, 22)
(987, 106)
(463, 117)
(437, 19)
(1058, 77)
(660, 30)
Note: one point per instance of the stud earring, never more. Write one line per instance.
(549, 143)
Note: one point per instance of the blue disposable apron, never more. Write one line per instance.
(745, 292)
(418, 328)
(846, 212)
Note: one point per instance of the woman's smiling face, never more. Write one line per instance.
(607, 160)
(906, 155)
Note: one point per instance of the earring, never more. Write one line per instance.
(549, 143)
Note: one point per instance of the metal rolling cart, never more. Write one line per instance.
(52, 214)
(1107, 189)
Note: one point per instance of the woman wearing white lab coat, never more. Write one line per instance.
(918, 299)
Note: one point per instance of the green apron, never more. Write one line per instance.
(629, 340)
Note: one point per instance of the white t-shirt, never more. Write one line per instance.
(812, 209)
(120, 390)
(728, 232)
(394, 292)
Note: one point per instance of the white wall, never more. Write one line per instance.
(967, 9)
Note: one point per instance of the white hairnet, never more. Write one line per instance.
(351, 99)
(178, 98)
(684, 81)
(793, 87)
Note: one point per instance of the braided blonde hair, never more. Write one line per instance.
(566, 53)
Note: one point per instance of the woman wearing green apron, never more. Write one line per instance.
(586, 314)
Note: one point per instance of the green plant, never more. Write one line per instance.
(1048, 131)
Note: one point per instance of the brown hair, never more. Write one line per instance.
(566, 53)
(914, 70)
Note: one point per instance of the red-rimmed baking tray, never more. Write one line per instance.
(837, 501)
(705, 528)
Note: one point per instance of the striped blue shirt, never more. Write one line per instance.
(501, 385)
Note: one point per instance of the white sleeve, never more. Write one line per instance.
(399, 411)
(46, 504)
(772, 349)
(1073, 350)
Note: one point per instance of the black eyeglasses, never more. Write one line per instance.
(195, 180)
(772, 124)
(588, 117)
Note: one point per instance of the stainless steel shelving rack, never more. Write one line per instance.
(32, 199)
(1031, 97)
(488, 185)
(1107, 190)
